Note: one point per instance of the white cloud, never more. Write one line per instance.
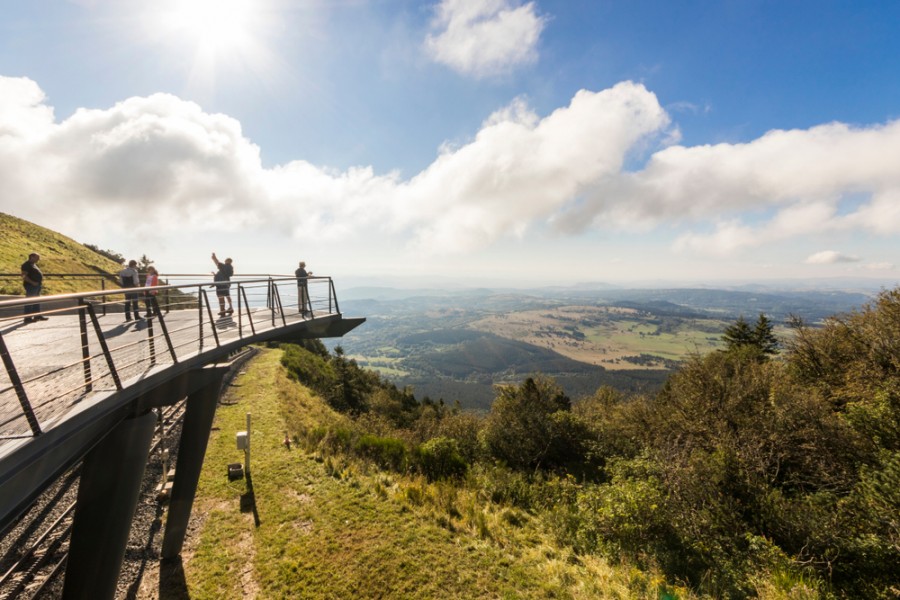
(158, 163)
(801, 177)
(830, 257)
(23, 114)
(484, 37)
(879, 266)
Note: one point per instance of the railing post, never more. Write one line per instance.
(165, 330)
(271, 300)
(85, 350)
(20, 389)
(103, 346)
(103, 287)
(151, 341)
(200, 296)
(249, 314)
(277, 298)
(332, 294)
(212, 322)
(240, 316)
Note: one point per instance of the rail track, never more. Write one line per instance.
(34, 549)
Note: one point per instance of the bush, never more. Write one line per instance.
(530, 426)
(439, 458)
(310, 369)
(500, 485)
(386, 452)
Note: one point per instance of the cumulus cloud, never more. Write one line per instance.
(805, 179)
(159, 163)
(830, 257)
(484, 37)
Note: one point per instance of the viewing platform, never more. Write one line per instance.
(83, 383)
(86, 352)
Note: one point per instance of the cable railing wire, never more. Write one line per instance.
(49, 367)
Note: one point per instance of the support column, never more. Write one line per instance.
(108, 493)
(198, 419)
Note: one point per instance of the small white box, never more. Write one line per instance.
(243, 440)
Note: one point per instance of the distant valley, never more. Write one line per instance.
(456, 344)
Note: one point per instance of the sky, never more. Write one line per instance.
(462, 141)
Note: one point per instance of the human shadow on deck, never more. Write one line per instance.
(14, 326)
(122, 328)
(226, 323)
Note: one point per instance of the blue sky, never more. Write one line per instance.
(464, 140)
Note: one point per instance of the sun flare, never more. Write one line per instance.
(214, 27)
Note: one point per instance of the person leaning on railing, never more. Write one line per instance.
(302, 289)
(33, 280)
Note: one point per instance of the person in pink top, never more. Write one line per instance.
(152, 280)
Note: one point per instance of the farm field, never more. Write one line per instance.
(615, 338)
(457, 346)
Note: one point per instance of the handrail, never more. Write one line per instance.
(85, 349)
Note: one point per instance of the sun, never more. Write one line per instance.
(214, 28)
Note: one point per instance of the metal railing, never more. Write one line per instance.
(81, 344)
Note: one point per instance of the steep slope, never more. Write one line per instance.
(59, 255)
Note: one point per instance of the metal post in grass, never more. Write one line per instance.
(247, 448)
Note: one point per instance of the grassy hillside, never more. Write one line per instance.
(59, 255)
(320, 526)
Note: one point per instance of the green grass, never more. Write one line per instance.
(332, 527)
(59, 255)
(640, 337)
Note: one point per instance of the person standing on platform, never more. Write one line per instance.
(223, 285)
(33, 280)
(302, 290)
(151, 281)
(129, 278)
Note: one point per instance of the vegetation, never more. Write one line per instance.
(322, 524)
(746, 475)
(458, 346)
(760, 337)
(59, 255)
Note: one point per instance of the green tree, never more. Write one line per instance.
(531, 426)
(760, 336)
(143, 262)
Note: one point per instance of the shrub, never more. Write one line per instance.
(503, 486)
(386, 452)
(439, 458)
(530, 426)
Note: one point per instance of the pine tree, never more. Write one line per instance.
(760, 336)
(763, 336)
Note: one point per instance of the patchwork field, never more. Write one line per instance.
(615, 338)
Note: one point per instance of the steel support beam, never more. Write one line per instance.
(107, 497)
(198, 418)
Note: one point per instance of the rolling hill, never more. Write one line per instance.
(60, 255)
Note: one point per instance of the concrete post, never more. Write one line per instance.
(199, 412)
(108, 493)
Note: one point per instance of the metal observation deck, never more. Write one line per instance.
(84, 383)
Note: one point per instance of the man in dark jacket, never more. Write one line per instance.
(130, 278)
(33, 280)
